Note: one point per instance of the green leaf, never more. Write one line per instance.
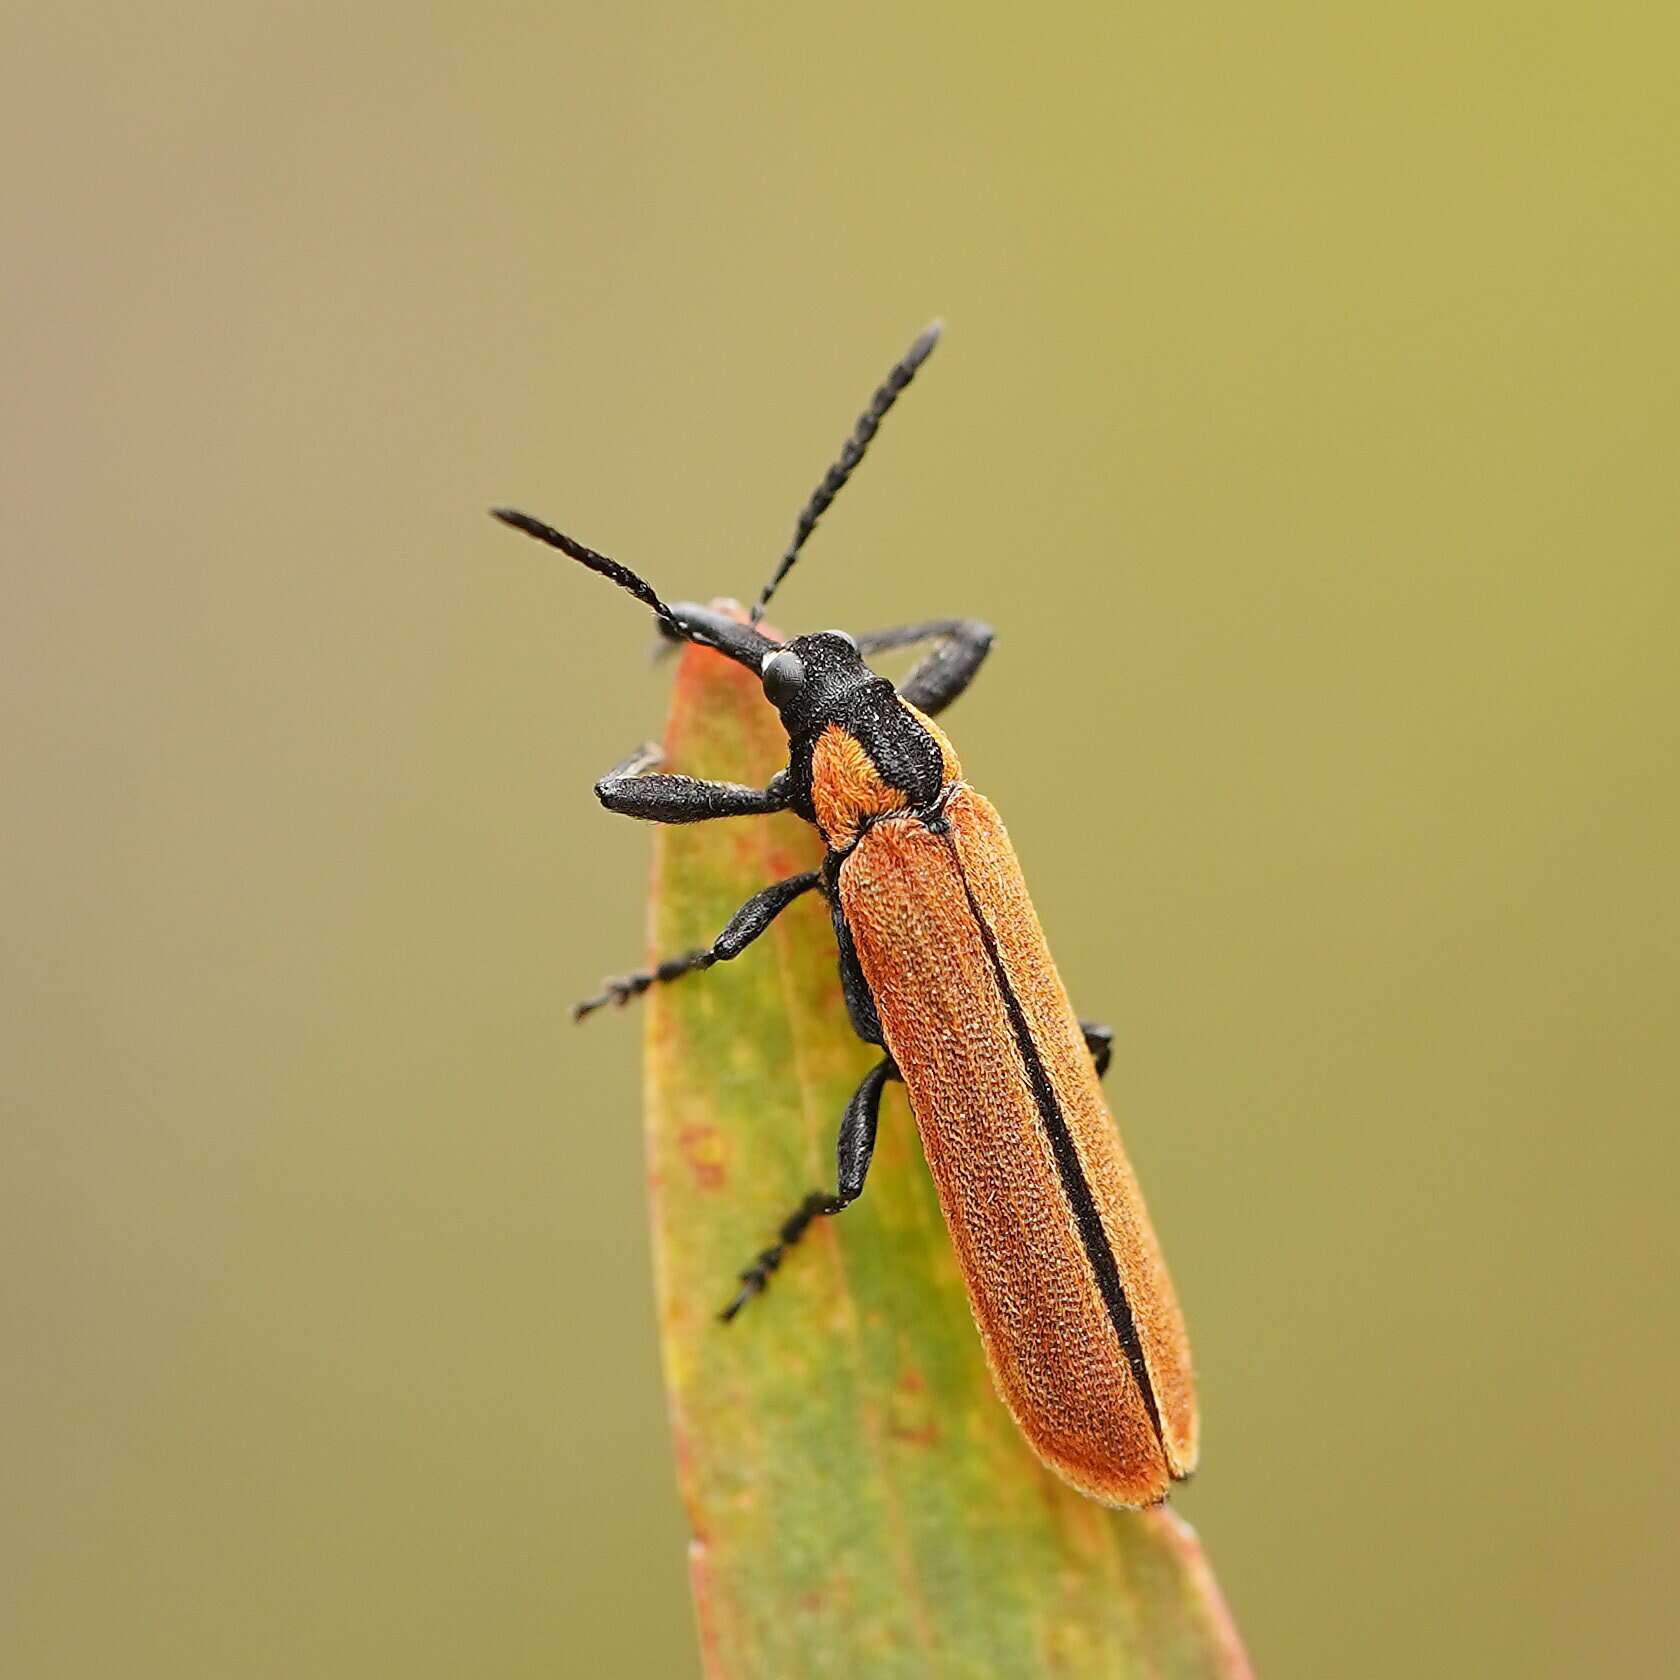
(861, 1502)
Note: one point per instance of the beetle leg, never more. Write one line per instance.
(1099, 1040)
(648, 756)
(855, 1147)
(860, 1006)
(682, 799)
(961, 646)
(744, 927)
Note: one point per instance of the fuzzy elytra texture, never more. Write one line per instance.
(914, 902)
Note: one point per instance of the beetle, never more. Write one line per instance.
(944, 966)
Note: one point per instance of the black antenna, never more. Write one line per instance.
(868, 423)
(685, 622)
(621, 575)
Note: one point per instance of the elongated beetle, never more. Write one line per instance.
(944, 965)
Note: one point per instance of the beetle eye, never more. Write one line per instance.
(847, 637)
(784, 676)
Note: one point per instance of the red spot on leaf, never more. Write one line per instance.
(702, 1148)
(921, 1435)
(910, 1416)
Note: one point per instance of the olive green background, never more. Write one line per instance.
(1307, 424)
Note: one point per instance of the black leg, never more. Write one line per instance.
(744, 927)
(628, 790)
(855, 1147)
(962, 644)
(866, 1019)
(1099, 1040)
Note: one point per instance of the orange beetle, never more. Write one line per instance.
(944, 965)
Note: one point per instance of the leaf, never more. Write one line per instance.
(861, 1502)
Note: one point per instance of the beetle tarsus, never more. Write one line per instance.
(744, 927)
(648, 756)
(853, 1150)
(815, 1206)
(619, 989)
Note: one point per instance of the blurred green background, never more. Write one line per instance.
(1307, 425)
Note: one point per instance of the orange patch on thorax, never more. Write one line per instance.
(846, 788)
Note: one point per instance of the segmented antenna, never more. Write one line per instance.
(868, 423)
(621, 575)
